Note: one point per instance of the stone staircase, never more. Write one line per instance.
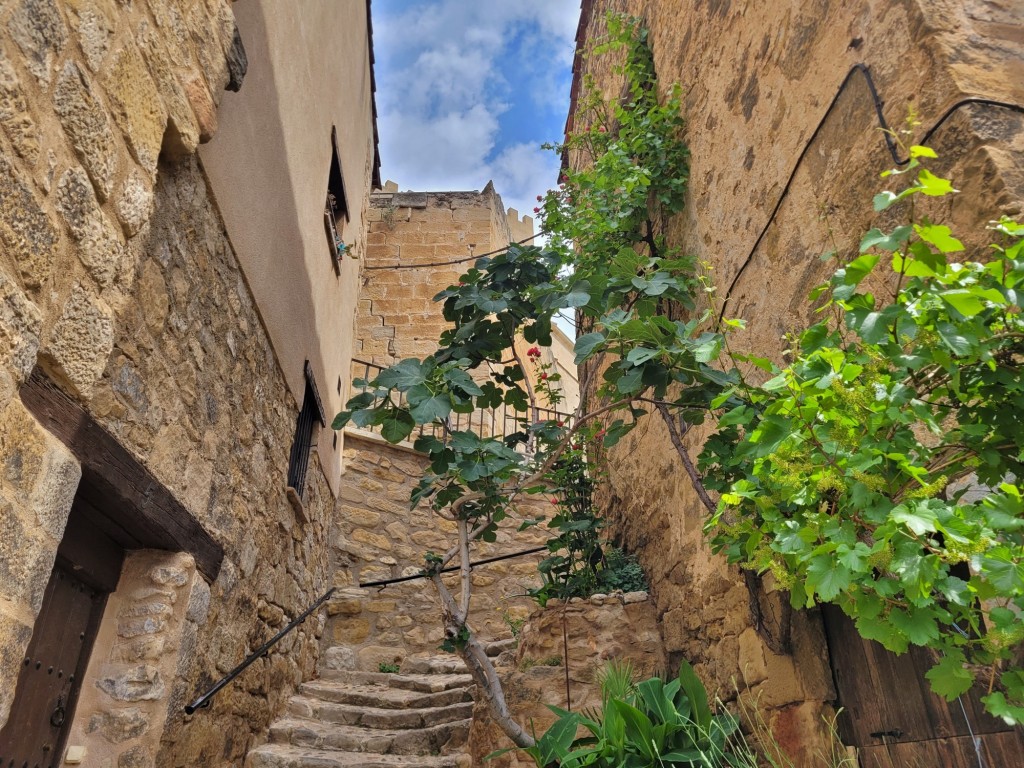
(418, 718)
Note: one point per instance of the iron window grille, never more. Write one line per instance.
(312, 411)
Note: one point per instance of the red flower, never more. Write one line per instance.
(539, 198)
(543, 376)
(536, 210)
(533, 352)
(560, 423)
(600, 129)
(554, 500)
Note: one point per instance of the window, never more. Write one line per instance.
(336, 207)
(312, 412)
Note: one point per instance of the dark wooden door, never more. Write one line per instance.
(893, 718)
(51, 673)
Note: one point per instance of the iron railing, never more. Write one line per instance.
(485, 422)
(204, 699)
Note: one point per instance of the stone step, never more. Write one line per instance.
(381, 696)
(425, 683)
(375, 717)
(434, 665)
(498, 647)
(433, 739)
(288, 756)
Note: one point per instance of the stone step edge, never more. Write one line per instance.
(299, 705)
(297, 755)
(342, 693)
(423, 683)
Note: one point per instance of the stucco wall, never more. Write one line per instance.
(268, 166)
(757, 80)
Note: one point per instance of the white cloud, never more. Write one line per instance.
(440, 110)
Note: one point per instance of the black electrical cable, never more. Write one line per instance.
(464, 259)
(890, 144)
(450, 569)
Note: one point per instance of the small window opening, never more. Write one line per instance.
(305, 427)
(336, 207)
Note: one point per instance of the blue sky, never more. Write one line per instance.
(468, 91)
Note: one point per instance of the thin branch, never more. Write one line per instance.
(676, 435)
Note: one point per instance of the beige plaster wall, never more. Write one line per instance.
(757, 79)
(268, 167)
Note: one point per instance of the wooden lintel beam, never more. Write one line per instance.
(121, 487)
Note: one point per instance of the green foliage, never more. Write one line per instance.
(388, 668)
(621, 572)
(840, 473)
(649, 724)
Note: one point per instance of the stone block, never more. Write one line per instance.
(140, 626)
(198, 600)
(15, 116)
(85, 122)
(20, 324)
(38, 29)
(55, 486)
(372, 656)
(136, 757)
(100, 247)
(339, 658)
(182, 134)
(26, 559)
(26, 232)
(371, 539)
(136, 105)
(346, 606)
(14, 637)
(134, 205)
(203, 107)
(350, 631)
(119, 725)
(94, 22)
(138, 683)
(81, 342)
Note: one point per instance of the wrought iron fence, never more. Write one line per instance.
(485, 422)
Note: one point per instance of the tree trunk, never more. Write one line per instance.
(480, 668)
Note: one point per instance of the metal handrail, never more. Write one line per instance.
(204, 699)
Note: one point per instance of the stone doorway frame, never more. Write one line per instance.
(138, 673)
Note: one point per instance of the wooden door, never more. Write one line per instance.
(893, 718)
(51, 673)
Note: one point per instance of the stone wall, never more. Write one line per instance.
(396, 316)
(118, 280)
(143, 661)
(757, 81)
(379, 538)
(583, 635)
(192, 387)
(91, 94)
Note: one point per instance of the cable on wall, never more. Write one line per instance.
(890, 144)
(463, 260)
